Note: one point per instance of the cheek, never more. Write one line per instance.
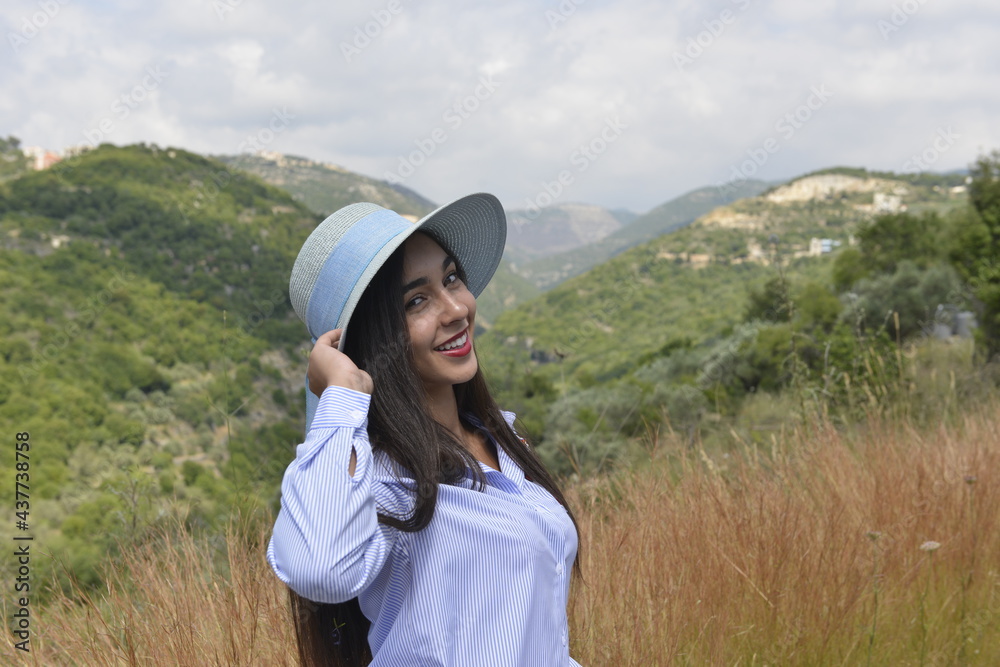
(419, 331)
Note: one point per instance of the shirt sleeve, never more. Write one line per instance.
(327, 543)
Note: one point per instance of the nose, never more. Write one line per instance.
(453, 307)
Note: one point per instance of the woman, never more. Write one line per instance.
(415, 527)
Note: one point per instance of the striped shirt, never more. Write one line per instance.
(485, 583)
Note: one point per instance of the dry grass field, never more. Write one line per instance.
(879, 547)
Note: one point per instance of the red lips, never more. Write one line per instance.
(461, 350)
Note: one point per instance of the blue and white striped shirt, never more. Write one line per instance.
(485, 583)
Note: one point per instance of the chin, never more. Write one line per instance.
(450, 376)
(470, 376)
(470, 372)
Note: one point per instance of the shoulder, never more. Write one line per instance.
(509, 417)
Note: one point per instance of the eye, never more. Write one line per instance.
(414, 302)
(452, 278)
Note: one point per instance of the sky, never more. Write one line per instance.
(623, 104)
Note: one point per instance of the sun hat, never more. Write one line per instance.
(345, 251)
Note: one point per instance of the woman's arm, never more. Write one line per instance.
(327, 543)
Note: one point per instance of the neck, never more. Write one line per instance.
(444, 409)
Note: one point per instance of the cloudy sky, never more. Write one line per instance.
(623, 104)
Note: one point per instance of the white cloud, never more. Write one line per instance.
(558, 79)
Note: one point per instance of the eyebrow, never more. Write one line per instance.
(448, 261)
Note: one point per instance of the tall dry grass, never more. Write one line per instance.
(808, 553)
(178, 600)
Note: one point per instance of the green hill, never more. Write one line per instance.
(325, 188)
(691, 283)
(211, 233)
(672, 215)
(148, 345)
(505, 291)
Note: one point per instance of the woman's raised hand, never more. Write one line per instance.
(329, 366)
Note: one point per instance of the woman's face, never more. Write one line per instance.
(440, 314)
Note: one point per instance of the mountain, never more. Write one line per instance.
(550, 271)
(559, 228)
(324, 187)
(624, 216)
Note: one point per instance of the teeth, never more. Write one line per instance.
(458, 342)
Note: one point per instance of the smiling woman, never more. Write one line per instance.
(416, 527)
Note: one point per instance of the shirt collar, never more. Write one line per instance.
(508, 468)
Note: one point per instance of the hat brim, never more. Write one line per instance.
(474, 230)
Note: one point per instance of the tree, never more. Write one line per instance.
(817, 308)
(13, 162)
(770, 303)
(891, 238)
(849, 268)
(984, 193)
(912, 293)
(977, 246)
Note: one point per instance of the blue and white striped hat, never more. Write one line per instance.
(343, 254)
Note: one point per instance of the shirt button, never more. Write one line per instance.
(559, 569)
(563, 638)
(356, 415)
(538, 508)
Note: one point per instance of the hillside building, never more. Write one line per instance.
(885, 203)
(41, 158)
(819, 247)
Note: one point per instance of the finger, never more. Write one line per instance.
(331, 338)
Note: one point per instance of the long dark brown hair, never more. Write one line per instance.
(378, 342)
